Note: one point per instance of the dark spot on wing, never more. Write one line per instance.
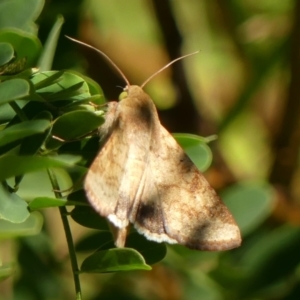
(147, 211)
(145, 113)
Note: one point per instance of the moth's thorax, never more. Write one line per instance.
(138, 105)
(136, 92)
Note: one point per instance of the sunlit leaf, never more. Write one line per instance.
(14, 13)
(6, 53)
(26, 45)
(31, 226)
(46, 59)
(103, 240)
(73, 125)
(13, 89)
(250, 204)
(196, 148)
(47, 79)
(70, 86)
(45, 202)
(12, 207)
(94, 87)
(13, 165)
(114, 260)
(22, 130)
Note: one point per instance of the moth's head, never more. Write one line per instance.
(132, 91)
(125, 92)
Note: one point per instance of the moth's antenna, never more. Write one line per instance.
(166, 66)
(104, 55)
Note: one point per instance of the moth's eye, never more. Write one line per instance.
(123, 95)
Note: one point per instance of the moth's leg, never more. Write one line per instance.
(119, 234)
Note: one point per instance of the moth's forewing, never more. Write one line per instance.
(114, 178)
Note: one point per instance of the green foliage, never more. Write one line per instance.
(31, 226)
(26, 47)
(13, 89)
(196, 148)
(255, 207)
(14, 14)
(6, 53)
(22, 130)
(112, 260)
(12, 207)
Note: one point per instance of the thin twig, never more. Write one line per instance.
(63, 213)
(18, 111)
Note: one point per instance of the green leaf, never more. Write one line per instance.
(13, 165)
(13, 89)
(46, 59)
(68, 92)
(17, 14)
(31, 226)
(88, 217)
(152, 252)
(26, 45)
(196, 148)
(22, 130)
(6, 53)
(76, 124)
(73, 125)
(84, 104)
(69, 87)
(32, 144)
(37, 184)
(114, 260)
(12, 207)
(49, 78)
(101, 240)
(94, 87)
(250, 204)
(65, 159)
(45, 202)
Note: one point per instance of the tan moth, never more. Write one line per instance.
(142, 176)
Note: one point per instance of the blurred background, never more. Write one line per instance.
(242, 86)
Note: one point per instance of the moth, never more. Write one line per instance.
(142, 176)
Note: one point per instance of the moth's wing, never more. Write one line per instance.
(113, 179)
(104, 176)
(177, 204)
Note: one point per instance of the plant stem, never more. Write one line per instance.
(18, 111)
(63, 213)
